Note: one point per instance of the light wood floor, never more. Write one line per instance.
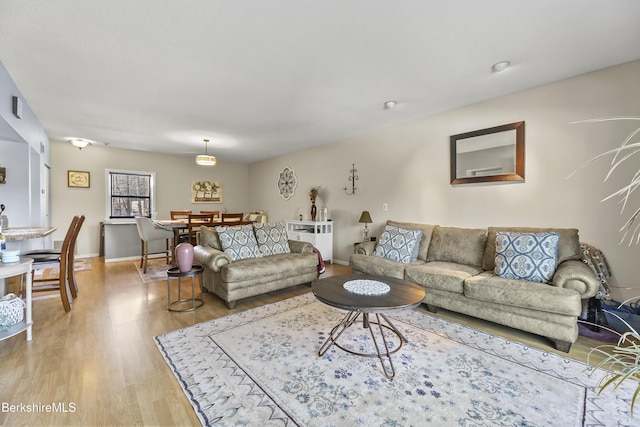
(100, 363)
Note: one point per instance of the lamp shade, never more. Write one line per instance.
(206, 159)
(365, 217)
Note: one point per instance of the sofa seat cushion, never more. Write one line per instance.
(272, 266)
(521, 293)
(447, 276)
(379, 266)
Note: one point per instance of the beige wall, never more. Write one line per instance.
(174, 175)
(407, 167)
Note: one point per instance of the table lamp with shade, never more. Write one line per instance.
(365, 218)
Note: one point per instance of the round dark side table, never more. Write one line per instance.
(175, 273)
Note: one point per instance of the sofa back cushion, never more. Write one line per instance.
(239, 242)
(272, 238)
(568, 247)
(425, 240)
(209, 237)
(460, 245)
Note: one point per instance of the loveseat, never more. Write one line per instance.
(457, 269)
(243, 261)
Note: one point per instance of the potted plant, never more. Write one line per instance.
(621, 360)
(621, 154)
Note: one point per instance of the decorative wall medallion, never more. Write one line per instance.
(287, 183)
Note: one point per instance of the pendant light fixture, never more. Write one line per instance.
(79, 143)
(206, 159)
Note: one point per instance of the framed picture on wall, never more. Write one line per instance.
(79, 179)
(206, 192)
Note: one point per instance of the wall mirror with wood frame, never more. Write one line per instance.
(494, 154)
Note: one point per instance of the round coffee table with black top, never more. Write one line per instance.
(359, 302)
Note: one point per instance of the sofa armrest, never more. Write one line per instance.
(576, 275)
(365, 248)
(299, 247)
(211, 258)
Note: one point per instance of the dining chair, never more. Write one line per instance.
(63, 260)
(180, 214)
(148, 233)
(216, 214)
(231, 218)
(184, 235)
(195, 222)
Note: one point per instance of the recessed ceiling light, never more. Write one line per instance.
(389, 105)
(500, 66)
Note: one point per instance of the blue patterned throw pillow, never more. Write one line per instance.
(397, 244)
(272, 238)
(526, 256)
(239, 242)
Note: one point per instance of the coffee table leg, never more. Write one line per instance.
(337, 331)
(389, 371)
(383, 351)
(393, 328)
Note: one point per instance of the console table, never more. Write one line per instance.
(318, 233)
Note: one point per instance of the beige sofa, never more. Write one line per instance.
(234, 280)
(456, 268)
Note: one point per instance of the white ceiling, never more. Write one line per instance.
(260, 78)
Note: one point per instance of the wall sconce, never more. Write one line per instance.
(365, 218)
(353, 178)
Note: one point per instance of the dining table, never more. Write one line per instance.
(175, 225)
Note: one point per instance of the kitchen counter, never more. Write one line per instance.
(24, 233)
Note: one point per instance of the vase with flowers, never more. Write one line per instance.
(313, 194)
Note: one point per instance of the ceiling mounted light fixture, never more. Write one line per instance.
(79, 143)
(500, 66)
(206, 159)
(389, 105)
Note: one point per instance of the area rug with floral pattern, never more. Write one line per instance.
(261, 367)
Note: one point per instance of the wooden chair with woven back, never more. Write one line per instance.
(216, 214)
(195, 222)
(181, 215)
(63, 260)
(232, 218)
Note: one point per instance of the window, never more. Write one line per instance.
(130, 193)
